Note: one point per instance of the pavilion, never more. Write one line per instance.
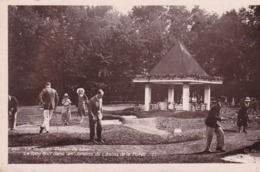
(178, 67)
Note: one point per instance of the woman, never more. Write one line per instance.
(242, 117)
(82, 101)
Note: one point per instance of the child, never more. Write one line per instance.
(66, 114)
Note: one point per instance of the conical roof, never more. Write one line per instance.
(178, 61)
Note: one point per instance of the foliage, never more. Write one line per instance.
(180, 76)
(97, 47)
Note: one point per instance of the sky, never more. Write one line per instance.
(219, 7)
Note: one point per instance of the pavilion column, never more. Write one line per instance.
(207, 96)
(171, 93)
(185, 96)
(147, 96)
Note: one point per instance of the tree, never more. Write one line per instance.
(93, 47)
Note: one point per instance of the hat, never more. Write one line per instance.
(66, 95)
(100, 91)
(247, 99)
(80, 91)
(48, 83)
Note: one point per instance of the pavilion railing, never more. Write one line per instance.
(174, 106)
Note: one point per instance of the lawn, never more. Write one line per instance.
(124, 144)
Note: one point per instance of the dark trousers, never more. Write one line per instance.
(95, 126)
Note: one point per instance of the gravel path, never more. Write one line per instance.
(147, 125)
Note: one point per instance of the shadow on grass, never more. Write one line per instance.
(169, 158)
(254, 148)
(230, 130)
(45, 140)
(112, 117)
(253, 139)
(67, 142)
(158, 113)
(205, 153)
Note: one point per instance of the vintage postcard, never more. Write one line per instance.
(130, 86)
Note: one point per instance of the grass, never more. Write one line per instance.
(183, 148)
(112, 135)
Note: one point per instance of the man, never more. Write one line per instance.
(213, 126)
(49, 99)
(95, 114)
(12, 111)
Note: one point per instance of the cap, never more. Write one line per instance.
(100, 91)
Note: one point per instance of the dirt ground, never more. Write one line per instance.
(129, 139)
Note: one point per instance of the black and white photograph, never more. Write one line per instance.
(131, 84)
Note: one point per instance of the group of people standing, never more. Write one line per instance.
(82, 106)
(49, 99)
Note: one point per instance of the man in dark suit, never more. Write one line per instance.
(213, 126)
(49, 99)
(95, 113)
(12, 110)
